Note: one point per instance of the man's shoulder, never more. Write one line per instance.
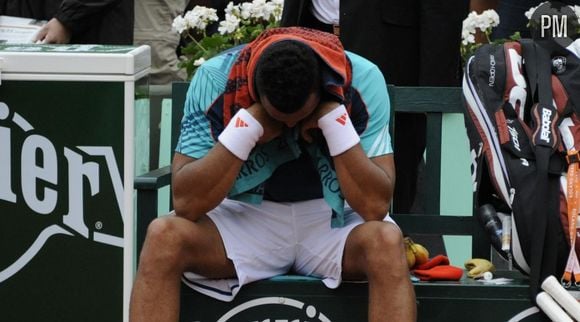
(364, 72)
(222, 62)
(358, 61)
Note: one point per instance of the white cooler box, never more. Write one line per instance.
(66, 180)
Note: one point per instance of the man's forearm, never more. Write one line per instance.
(366, 184)
(200, 185)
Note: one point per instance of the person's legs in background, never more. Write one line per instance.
(410, 131)
(439, 65)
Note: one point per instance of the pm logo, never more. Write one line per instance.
(554, 21)
(50, 180)
(554, 25)
(261, 310)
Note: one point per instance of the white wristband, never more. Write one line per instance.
(338, 131)
(241, 134)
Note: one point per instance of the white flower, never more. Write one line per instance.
(260, 10)
(278, 11)
(490, 17)
(269, 11)
(481, 22)
(484, 22)
(531, 11)
(266, 10)
(198, 62)
(229, 25)
(241, 24)
(199, 17)
(179, 24)
(465, 34)
(257, 10)
(233, 9)
(191, 19)
(577, 11)
(246, 10)
(470, 23)
(468, 39)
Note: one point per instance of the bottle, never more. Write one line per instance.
(490, 221)
(506, 227)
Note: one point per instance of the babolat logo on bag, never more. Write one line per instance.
(546, 124)
(546, 120)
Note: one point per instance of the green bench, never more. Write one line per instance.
(294, 298)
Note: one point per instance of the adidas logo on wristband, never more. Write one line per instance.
(338, 131)
(241, 123)
(239, 137)
(342, 119)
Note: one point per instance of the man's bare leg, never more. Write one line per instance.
(174, 245)
(375, 250)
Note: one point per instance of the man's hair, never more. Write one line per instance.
(287, 73)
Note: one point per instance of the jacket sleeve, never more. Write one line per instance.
(292, 12)
(78, 15)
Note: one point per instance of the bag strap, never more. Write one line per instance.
(530, 61)
(537, 62)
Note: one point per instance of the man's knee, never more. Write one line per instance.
(382, 244)
(163, 243)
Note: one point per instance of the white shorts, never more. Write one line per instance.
(273, 239)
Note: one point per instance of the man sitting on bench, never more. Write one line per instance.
(276, 136)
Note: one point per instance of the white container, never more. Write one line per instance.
(66, 179)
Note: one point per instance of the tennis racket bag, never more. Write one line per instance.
(522, 108)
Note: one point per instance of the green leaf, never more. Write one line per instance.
(202, 45)
(516, 36)
(214, 41)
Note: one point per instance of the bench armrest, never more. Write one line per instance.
(153, 180)
(147, 186)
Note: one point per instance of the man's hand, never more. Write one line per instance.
(272, 128)
(54, 32)
(311, 122)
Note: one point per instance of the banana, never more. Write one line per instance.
(416, 253)
(421, 254)
(410, 257)
(476, 267)
(409, 252)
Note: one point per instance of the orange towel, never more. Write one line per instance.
(438, 269)
(241, 93)
(439, 273)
